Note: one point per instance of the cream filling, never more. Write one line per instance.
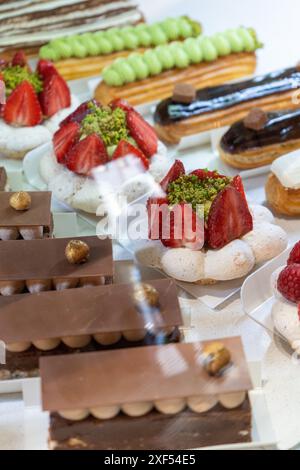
(287, 170)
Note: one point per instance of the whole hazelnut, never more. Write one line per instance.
(20, 201)
(77, 252)
(215, 357)
(145, 294)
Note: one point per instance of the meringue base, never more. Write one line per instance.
(259, 156)
(161, 86)
(283, 200)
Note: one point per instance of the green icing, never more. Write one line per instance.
(109, 124)
(118, 39)
(182, 54)
(15, 75)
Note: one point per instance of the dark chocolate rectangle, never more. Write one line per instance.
(38, 215)
(3, 179)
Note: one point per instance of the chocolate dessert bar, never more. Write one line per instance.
(161, 397)
(3, 179)
(41, 265)
(27, 222)
(80, 320)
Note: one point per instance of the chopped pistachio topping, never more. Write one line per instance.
(16, 74)
(192, 190)
(109, 124)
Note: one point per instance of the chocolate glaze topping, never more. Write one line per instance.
(226, 96)
(280, 127)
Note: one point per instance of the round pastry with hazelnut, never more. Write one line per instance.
(260, 138)
(286, 305)
(283, 185)
(95, 135)
(206, 230)
(36, 101)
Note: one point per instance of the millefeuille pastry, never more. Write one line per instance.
(36, 101)
(171, 397)
(31, 23)
(3, 180)
(83, 55)
(25, 215)
(151, 76)
(260, 138)
(84, 320)
(223, 105)
(207, 231)
(286, 301)
(283, 185)
(93, 136)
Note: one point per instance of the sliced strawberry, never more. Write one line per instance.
(19, 59)
(45, 68)
(55, 95)
(157, 207)
(86, 155)
(229, 218)
(64, 139)
(173, 174)
(22, 106)
(79, 114)
(294, 257)
(203, 174)
(119, 103)
(142, 132)
(237, 183)
(126, 148)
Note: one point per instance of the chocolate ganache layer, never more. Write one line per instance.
(280, 127)
(217, 98)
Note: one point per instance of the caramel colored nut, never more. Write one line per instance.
(145, 295)
(256, 119)
(20, 201)
(184, 93)
(216, 358)
(77, 252)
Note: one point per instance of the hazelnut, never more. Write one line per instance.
(215, 357)
(145, 294)
(20, 201)
(77, 252)
(256, 119)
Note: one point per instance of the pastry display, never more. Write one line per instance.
(52, 323)
(261, 138)
(207, 231)
(30, 23)
(286, 304)
(283, 185)
(84, 55)
(3, 180)
(150, 76)
(160, 397)
(25, 215)
(223, 105)
(42, 265)
(93, 136)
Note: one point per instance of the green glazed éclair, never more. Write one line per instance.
(120, 39)
(139, 66)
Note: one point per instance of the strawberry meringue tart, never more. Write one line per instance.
(36, 101)
(95, 135)
(286, 305)
(218, 238)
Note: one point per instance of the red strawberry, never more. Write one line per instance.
(229, 218)
(79, 114)
(64, 139)
(203, 174)
(237, 183)
(142, 132)
(288, 283)
(86, 155)
(173, 174)
(294, 257)
(125, 148)
(119, 103)
(55, 95)
(45, 68)
(22, 107)
(157, 207)
(19, 59)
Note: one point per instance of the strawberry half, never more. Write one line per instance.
(22, 107)
(64, 139)
(19, 59)
(173, 174)
(294, 257)
(144, 134)
(86, 155)
(126, 148)
(204, 174)
(119, 103)
(45, 68)
(55, 95)
(229, 218)
(237, 183)
(79, 114)
(157, 208)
